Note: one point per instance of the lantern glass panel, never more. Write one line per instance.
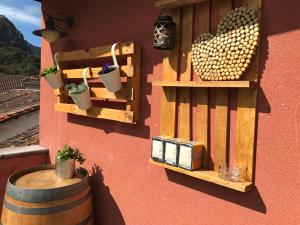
(171, 153)
(158, 150)
(185, 157)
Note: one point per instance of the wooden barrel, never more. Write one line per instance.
(35, 196)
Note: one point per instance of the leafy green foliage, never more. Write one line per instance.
(50, 70)
(68, 152)
(17, 56)
(75, 89)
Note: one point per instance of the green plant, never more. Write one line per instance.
(75, 89)
(51, 70)
(68, 152)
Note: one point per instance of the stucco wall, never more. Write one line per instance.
(126, 188)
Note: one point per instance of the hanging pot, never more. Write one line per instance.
(55, 80)
(83, 100)
(112, 80)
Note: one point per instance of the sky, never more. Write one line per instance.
(25, 15)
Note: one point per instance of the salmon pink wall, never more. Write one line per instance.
(126, 188)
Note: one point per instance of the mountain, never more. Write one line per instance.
(17, 56)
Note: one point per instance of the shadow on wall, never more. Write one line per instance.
(251, 200)
(105, 207)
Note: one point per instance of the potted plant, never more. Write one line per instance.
(65, 162)
(110, 74)
(53, 76)
(80, 95)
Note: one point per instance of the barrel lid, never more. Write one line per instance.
(45, 179)
(22, 188)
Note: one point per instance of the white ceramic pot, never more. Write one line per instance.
(83, 100)
(55, 80)
(112, 80)
(65, 169)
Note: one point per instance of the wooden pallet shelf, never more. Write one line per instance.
(129, 94)
(207, 84)
(211, 128)
(209, 176)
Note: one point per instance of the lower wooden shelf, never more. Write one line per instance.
(209, 176)
(96, 112)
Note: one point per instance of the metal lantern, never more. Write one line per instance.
(158, 148)
(190, 155)
(164, 33)
(172, 151)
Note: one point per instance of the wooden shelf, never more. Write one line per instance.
(207, 84)
(175, 3)
(209, 176)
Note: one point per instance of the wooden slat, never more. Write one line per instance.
(134, 83)
(202, 23)
(208, 84)
(184, 96)
(125, 71)
(124, 94)
(246, 116)
(221, 112)
(209, 176)
(170, 69)
(96, 112)
(94, 53)
(175, 3)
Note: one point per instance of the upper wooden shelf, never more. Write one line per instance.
(208, 84)
(209, 176)
(175, 3)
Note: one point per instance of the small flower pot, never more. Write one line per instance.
(112, 80)
(65, 169)
(55, 80)
(83, 100)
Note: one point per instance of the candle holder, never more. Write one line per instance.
(158, 148)
(230, 173)
(172, 151)
(190, 155)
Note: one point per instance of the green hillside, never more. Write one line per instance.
(17, 56)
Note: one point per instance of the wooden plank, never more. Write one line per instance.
(208, 84)
(175, 3)
(134, 82)
(221, 112)
(96, 112)
(170, 70)
(246, 117)
(184, 96)
(202, 24)
(98, 52)
(124, 94)
(125, 71)
(209, 176)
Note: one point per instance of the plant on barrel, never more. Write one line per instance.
(53, 76)
(65, 161)
(80, 95)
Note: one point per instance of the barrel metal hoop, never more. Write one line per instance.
(45, 211)
(44, 195)
(85, 221)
